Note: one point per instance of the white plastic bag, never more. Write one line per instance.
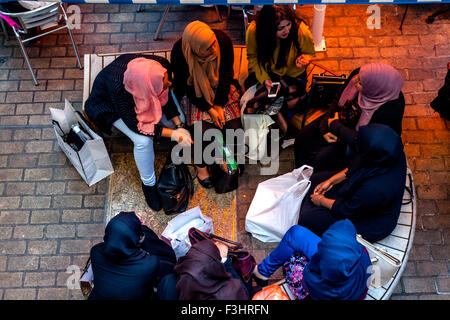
(276, 204)
(176, 232)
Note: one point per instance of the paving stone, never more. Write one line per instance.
(81, 215)
(40, 202)
(13, 247)
(432, 268)
(39, 279)
(9, 203)
(38, 174)
(28, 232)
(40, 247)
(67, 201)
(10, 279)
(54, 262)
(20, 294)
(94, 201)
(20, 188)
(5, 233)
(75, 246)
(90, 230)
(50, 188)
(418, 285)
(23, 263)
(23, 161)
(60, 231)
(53, 294)
(45, 216)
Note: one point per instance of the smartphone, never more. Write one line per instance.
(273, 91)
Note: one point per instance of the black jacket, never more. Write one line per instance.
(226, 73)
(109, 100)
(123, 267)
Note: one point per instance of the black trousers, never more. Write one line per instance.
(312, 149)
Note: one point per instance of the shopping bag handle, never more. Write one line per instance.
(232, 244)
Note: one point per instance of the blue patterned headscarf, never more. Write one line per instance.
(338, 271)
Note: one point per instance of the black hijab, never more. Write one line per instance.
(379, 148)
(122, 237)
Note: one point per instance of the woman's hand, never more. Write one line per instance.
(330, 120)
(223, 249)
(182, 136)
(323, 187)
(268, 84)
(221, 114)
(316, 198)
(303, 60)
(215, 117)
(329, 137)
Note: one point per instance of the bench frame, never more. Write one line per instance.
(398, 243)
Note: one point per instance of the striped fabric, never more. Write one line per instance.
(249, 2)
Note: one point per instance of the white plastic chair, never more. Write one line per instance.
(39, 18)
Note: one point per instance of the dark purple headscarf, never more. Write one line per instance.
(380, 83)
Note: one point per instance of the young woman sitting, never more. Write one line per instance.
(132, 95)
(279, 48)
(331, 267)
(202, 63)
(131, 262)
(372, 94)
(206, 273)
(369, 192)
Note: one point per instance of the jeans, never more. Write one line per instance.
(144, 155)
(297, 239)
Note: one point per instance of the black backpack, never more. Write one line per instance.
(175, 187)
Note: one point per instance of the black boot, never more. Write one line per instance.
(152, 197)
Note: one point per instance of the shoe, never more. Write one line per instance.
(260, 280)
(206, 183)
(152, 197)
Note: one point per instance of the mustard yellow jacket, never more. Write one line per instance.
(305, 41)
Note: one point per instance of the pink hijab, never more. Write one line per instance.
(144, 80)
(380, 83)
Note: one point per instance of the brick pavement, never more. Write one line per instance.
(49, 218)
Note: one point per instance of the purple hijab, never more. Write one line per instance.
(380, 83)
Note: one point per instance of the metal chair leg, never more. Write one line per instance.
(27, 60)
(218, 13)
(74, 47)
(161, 23)
(5, 32)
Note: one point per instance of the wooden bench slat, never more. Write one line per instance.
(107, 60)
(377, 293)
(405, 218)
(407, 208)
(401, 231)
(86, 81)
(393, 242)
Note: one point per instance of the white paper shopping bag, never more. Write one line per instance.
(92, 161)
(276, 204)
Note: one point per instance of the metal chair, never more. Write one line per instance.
(39, 18)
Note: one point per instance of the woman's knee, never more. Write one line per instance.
(297, 233)
(142, 142)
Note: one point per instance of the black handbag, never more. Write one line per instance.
(175, 187)
(223, 179)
